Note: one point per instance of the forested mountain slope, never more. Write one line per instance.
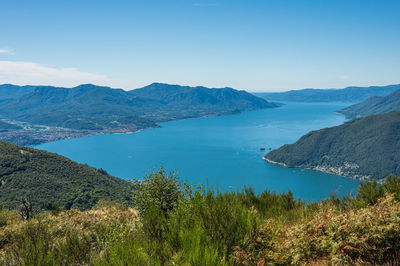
(9, 91)
(373, 105)
(349, 94)
(50, 179)
(90, 109)
(362, 148)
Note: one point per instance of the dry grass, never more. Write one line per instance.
(101, 225)
(369, 235)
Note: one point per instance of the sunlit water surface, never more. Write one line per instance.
(222, 151)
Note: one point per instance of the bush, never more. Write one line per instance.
(159, 191)
(182, 225)
(4, 215)
(67, 238)
(224, 219)
(32, 245)
(392, 186)
(127, 251)
(155, 198)
(369, 192)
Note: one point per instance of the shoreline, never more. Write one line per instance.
(87, 133)
(273, 162)
(129, 132)
(67, 133)
(322, 169)
(52, 134)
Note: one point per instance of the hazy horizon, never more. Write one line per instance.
(265, 91)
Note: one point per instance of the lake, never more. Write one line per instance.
(221, 151)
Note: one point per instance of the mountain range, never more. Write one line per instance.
(9, 91)
(185, 102)
(349, 94)
(373, 105)
(83, 107)
(89, 109)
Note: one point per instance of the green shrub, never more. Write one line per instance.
(155, 198)
(182, 225)
(4, 215)
(224, 218)
(32, 245)
(76, 249)
(369, 192)
(127, 251)
(392, 186)
(158, 190)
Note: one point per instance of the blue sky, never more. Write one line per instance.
(254, 45)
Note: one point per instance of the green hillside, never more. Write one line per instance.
(86, 107)
(362, 148)
(373, 105)
(177, 97)
(90, 109)
(4, 126)
(178, 224)
(179, 102)
(94, 107)
(9, 91)
(48, 179)
(349, 94)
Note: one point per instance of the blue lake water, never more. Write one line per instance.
(222, 151)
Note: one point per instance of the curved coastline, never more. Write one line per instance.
(325, 169)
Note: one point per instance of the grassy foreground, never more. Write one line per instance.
(176, 224)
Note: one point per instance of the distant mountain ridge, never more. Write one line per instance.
(348, 94)
(201, 98)
(97, 109)
(87, 107)
(363, 148)
(9, 91)
(373, 105)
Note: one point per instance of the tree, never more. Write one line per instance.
(370, 192)
(155, 198)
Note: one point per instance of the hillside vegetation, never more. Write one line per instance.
(48, 180)
(9, 91)
(89, 109)
(84, 107)
(349, 94)
(362, 148)
(373, 105)
(4, 126)
(95, 107)
(176, 224)
(184, 101)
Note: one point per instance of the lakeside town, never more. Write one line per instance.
(27, 134)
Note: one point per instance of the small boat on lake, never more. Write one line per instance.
(262, 149)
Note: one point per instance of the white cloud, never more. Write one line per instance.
(6, 51)
(29, 73)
